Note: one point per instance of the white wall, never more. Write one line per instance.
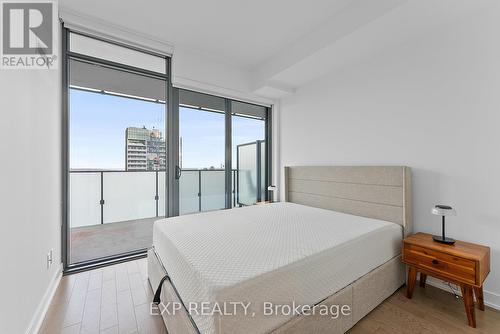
(30, 194)
(201, 73)
(432, 104)
(198, 72)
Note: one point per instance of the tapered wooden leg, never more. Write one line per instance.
(423, 279)
(479, 297)
(410, 285)
(469, 304)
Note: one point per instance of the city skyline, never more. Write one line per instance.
(98, 123)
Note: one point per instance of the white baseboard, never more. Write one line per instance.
(43, 306)
(491, 299)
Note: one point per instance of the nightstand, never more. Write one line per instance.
(463, 263)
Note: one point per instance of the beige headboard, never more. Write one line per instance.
(380, 192)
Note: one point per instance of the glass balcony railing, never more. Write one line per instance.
(104, 196)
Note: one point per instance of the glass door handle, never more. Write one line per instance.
(178, 172)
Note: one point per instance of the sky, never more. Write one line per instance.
(98, 123)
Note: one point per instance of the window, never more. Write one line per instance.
(132, 160)
(117, 152)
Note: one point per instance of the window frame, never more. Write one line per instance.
(67, 55)
(172, 136)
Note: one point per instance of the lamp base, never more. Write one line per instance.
(440, 239)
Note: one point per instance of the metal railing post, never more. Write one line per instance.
(101, 202)
(199, 190)
(259, 171)
(234, 188)
(156, 194)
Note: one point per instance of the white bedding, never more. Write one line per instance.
(280, 252)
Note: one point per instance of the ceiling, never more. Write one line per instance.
(279, 45)
(241, 32)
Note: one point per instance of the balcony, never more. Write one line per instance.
(112, 212)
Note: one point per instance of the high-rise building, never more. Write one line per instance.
(145, 149)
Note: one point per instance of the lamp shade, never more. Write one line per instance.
(443, 210)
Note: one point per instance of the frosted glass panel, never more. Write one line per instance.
(188, 192)
(129, 195)
(212, 190)
(247, 175)
(248, 132)
(84, 196)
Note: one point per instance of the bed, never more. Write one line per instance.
(335, 240)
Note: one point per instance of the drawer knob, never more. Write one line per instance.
(435, 261)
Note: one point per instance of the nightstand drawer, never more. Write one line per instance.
(456, 268)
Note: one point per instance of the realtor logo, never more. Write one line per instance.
(28, 34)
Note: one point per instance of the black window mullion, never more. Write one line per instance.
(268, 155)
(228, 154)
(173, 152)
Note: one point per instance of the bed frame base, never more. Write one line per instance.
(363, 295)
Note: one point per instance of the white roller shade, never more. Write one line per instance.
(247, 109)
(116, 53)
(102, 78)
(200, 100)
(210, 102)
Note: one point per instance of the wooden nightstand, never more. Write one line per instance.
(463, 263)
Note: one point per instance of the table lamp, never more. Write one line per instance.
(443, 211)
(272, 189)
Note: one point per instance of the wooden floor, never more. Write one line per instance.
(111, 300)
(431, 310)
(116, 299)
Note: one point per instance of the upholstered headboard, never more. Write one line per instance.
(380, 192)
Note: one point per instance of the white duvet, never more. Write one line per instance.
(278, 253)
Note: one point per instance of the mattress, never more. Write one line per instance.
(279, 253)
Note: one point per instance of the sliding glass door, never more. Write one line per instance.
(116, 176)
(201, 152)
(206, 123)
